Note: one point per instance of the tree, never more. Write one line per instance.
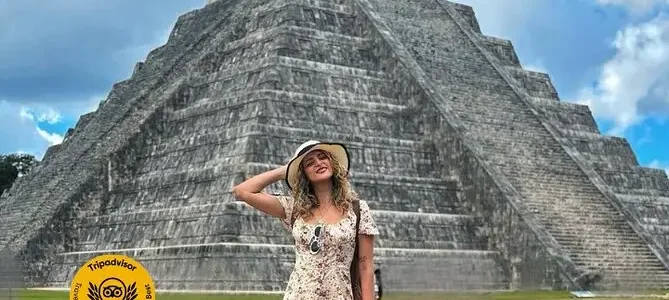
(13, 166)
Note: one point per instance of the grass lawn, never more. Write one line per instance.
(525, 295)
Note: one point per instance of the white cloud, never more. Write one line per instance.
(634, 84)
(655, 164)
(42, 114)
(18, 131)
(25, 113)
(52, 138)
(635, 6)
(50, 116)
(23, 128)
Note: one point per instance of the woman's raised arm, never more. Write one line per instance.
(250, 191)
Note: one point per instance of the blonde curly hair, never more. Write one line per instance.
(342, 192)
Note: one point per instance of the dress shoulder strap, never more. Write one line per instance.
(293, 216)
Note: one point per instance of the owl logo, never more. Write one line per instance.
(112, 288)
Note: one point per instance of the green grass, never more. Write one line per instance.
(524, 295)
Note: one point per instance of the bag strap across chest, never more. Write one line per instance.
(355, 274)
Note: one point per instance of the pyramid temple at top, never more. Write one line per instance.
(478, 176)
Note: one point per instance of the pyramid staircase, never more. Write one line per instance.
(494, 101)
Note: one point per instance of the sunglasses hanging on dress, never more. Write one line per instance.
(315, 243)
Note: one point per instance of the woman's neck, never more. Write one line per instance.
(323, 193)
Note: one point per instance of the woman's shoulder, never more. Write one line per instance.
(367, 223)
(288, 204)
(360, 203)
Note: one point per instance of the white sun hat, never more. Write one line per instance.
(337, 150)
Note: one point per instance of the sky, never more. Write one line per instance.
(59, 59)
(612, 55)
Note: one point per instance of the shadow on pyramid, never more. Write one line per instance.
(11, 276)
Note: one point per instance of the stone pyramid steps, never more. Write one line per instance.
(454, 269)
(616, 163)
(332, 77)
(317, 14)
(211, 267)
(282, 62)
(387, 190)
(156, 57)
(270, 111)
(246, 104)
(328, 79)
(511, 137)
(280, 72)
(193, 165)
(536, 84)
(200, 266)
(640, 264)
(428, 231)
(635, 178)
(331, 85)
(649, 203)
(602, 150)
(210, 106)
(287, 40)
(199, 157)
(206, 151)
(345, 91)
(639, 194)
(227, 222)
(590, 239)
(511, 143)
(218, 121)
(271, 74)
(642, 191)
(636, 251)
(296, 63)
(326, 47)
(573, 116)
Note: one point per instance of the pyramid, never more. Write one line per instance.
(478, 176)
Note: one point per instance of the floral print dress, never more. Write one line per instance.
(326, 274)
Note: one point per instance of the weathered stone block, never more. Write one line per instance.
(535, 83)
(503, 51)
(569, 117)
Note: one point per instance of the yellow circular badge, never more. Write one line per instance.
(112, 277)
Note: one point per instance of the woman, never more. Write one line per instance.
(321, 217)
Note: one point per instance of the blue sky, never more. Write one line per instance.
(612, 55)
(58, 59)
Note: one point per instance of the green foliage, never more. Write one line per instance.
(13, 166)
